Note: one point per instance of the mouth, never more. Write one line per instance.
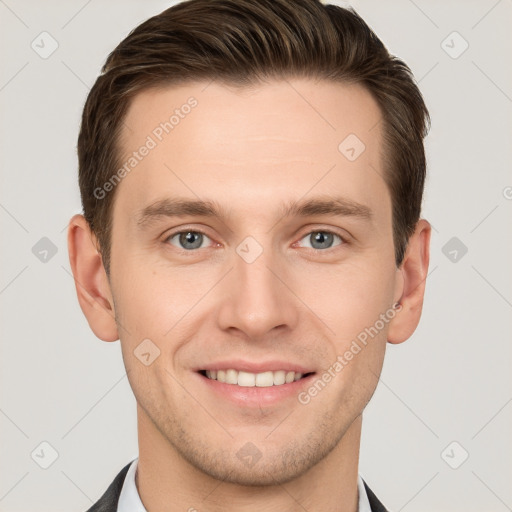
(254, 384)
(265, 379)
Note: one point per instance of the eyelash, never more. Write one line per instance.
(343, 240)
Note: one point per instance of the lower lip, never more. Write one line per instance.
(256, 396)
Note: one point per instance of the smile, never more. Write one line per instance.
(248, 379)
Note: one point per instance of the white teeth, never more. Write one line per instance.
(265, 379)
(279, 377)
(231, 377)
(247, 379)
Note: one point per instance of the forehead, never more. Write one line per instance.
(301, 108)
(256, 144)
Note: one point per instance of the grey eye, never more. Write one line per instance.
(321, 239)
(188, 240)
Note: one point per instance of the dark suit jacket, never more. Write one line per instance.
(108, 502)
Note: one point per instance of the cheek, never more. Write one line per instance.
(350, 298)
(150, 302)
(355, 305)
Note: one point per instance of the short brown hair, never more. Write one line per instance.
(245, 42)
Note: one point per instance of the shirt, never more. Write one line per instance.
(129, 499)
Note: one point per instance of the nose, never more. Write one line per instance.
(258, 298)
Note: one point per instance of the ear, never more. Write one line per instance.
(91, 281)
(410, 288)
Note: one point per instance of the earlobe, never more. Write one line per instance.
(411, 280)
(91, 281)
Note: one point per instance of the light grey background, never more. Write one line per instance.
(450, 382)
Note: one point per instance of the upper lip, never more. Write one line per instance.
(254, 367)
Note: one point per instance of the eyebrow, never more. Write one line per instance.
(318, 206)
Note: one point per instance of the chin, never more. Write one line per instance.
(260, 463)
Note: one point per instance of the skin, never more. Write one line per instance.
(251, 150)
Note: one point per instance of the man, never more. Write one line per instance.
(251, 174)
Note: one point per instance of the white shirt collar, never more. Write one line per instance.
(129, 499)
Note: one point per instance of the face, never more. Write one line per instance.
(251, 243)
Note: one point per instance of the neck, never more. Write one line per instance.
(167, 482)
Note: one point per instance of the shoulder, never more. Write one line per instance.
(375, 504)
(108, 502)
